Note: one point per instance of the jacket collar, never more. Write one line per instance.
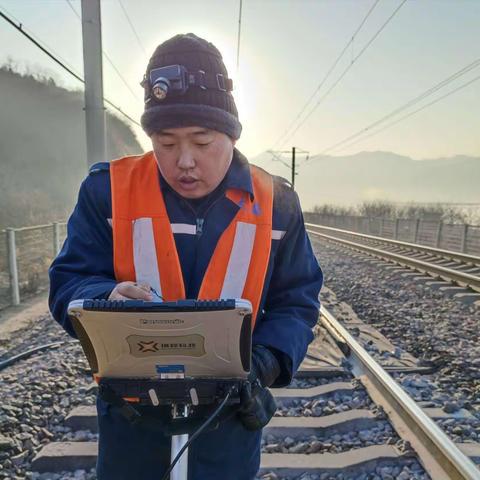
(238, 175)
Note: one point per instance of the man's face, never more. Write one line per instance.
(193, 160)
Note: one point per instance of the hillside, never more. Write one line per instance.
(43, 150)
(366, 176)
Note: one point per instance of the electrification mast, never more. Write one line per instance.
(92, 61)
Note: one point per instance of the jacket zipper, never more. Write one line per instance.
(199, 229)
(200, 221)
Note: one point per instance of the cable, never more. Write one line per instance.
(461, 87)
(110, 61)
(364, 49)
(132, 27)
(276, 158)
(11, 360)
(410, 103)
(328, 73)
(238, 38)
(118, 109)
(19, 27)
(196, 434)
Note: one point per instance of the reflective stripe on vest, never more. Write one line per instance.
(144, 246)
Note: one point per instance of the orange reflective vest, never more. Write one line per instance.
(144, 248)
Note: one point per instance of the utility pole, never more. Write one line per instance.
(92, 62)
(293, 168)
(276, 154)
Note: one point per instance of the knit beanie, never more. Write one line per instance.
(207, 102)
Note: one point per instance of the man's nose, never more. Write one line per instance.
(186, 159)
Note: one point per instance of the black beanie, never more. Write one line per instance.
(210, 108)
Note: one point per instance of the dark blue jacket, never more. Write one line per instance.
(289, 305)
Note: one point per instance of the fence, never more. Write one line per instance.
(455, 237)
(25, 255)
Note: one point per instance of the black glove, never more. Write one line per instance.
(257, 405)
(265, 366)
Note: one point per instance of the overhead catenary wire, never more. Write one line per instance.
(362, 51)
(410, 103)
(327, 75)
(132, 27)
(391, 124)
(276, 158)
(37, 43)
(57, 60)
(238, 36)
(119, 110)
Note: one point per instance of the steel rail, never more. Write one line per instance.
(448, 274)
(439, 455)
(461, 257)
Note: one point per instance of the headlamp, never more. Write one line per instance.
(176, 80)
(160, 88)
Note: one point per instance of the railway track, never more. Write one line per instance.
(455, 267)
(352, 422)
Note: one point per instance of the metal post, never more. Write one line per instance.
(293, 168)
(56, 238)
(180, 471)
(439, 235)
(92, 61)
(416, 231)
(463, 244)
(364, 224)
(382, 228)
(12, 264)
(395, 229)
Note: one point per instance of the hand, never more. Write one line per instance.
(265, 366)
(257, 405)
(131, 291)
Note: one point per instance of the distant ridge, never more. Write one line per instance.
(366, 176)
(42, 148)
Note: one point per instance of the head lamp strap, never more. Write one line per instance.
(215, 81)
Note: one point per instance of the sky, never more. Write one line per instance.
(287, 48)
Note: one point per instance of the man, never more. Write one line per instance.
(192, 219)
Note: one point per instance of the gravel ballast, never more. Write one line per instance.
(37, 393)
(410, 470)
(335, 403)
(382, 433)
(439, 330)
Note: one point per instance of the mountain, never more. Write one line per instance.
(43, 149)
(367, 176)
